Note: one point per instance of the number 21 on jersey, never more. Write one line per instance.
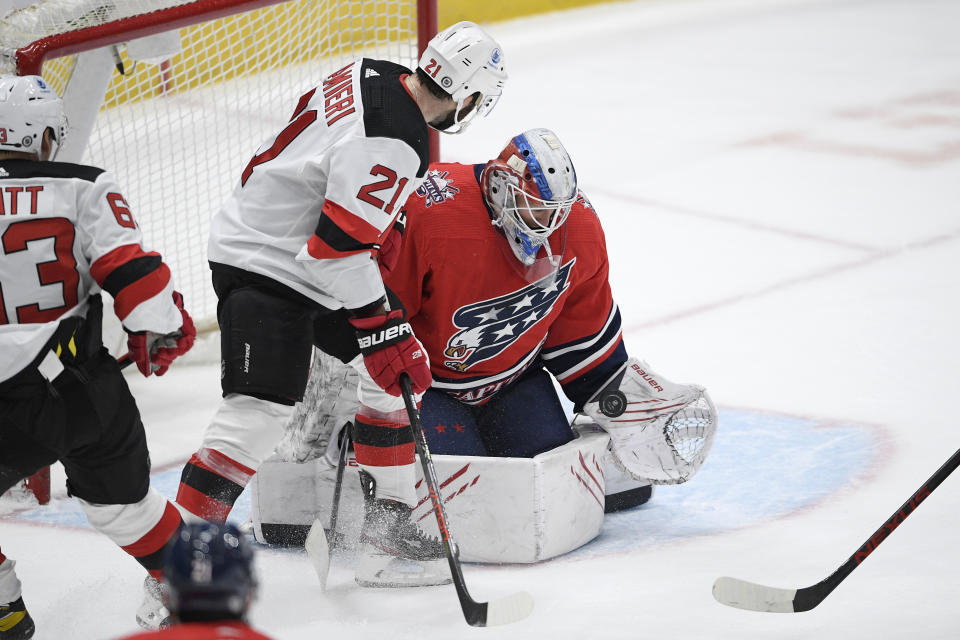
(389, 179)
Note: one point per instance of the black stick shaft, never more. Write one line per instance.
(810, 597)
(474, 612)
(338, 487)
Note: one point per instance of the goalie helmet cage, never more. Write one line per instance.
(174, 96)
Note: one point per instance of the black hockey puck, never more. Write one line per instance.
(613, 403)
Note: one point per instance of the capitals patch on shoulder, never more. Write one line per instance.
(437, 187)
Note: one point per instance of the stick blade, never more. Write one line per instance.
(509, 609)
(753, 597)
(319, 552)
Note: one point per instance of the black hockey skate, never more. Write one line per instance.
(393, 551)
(15, 621)
(153, 613)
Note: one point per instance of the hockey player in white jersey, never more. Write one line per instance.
(293, 254)
(66, 232)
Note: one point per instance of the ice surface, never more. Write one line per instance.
(779, 183)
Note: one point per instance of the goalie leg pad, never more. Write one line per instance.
(499, 509)
(329, 402)
(621, 490)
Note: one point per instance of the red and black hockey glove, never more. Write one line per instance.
(154, 352)
(389, 348)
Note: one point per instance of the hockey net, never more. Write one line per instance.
(203, 84)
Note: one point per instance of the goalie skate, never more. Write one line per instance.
(394, 551)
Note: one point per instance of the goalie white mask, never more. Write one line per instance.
(464, 60)
(530, 187)
(28, 107)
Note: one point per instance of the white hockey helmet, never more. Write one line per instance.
(28, 107)
(463, 60)
(530, 187)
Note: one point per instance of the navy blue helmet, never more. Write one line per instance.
(208, 572)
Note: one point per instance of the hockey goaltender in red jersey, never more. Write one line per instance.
(293, 254)
(209, 585)
(530, 299)
(503, 272)
(66, 232)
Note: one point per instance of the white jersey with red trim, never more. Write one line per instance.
(315, 202)
(66, 232)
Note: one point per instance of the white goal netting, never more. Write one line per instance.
(194, 102)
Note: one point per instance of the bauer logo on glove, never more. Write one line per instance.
(384, 336)
(389, 348)
(646, 376)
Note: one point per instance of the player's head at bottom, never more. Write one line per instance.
(208, 573)
(530, 188)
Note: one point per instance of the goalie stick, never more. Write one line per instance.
(756, 597)
(504, 610)
(316, 544)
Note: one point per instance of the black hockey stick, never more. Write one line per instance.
(316, 544)
(338, 487)
(505, 610)
(755, 597)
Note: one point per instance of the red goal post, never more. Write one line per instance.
(174, 96)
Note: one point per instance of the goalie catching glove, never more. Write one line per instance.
(389, 348)
(659, 431)
(154, 352)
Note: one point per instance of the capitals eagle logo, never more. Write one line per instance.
(490, 326)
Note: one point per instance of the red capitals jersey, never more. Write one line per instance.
(481, 319)
(202, 631)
